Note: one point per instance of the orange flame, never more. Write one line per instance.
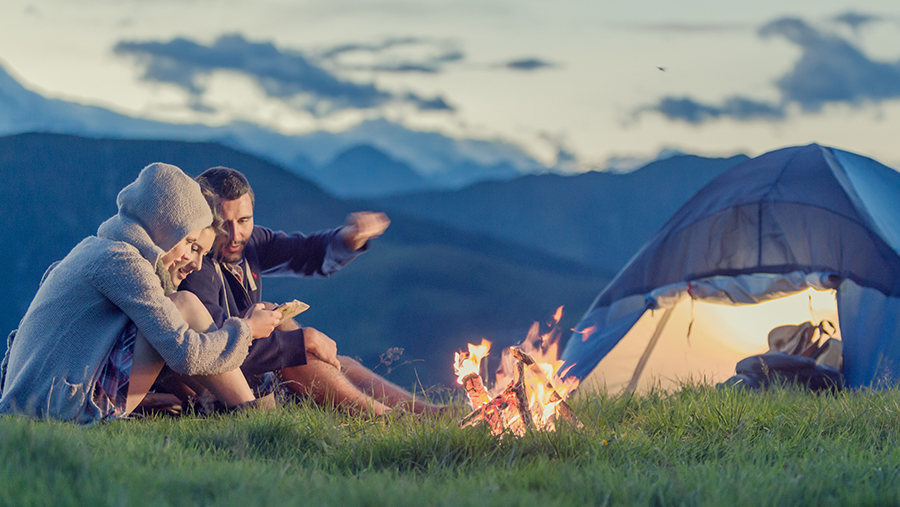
(544, 383)
(586, 332)
(558, 315)
(465, 363)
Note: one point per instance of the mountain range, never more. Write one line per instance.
(479, 245)
(413, 160)
(598, 219)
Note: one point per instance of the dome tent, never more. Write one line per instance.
(796, 224)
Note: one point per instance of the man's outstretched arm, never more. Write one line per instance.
(321, 253)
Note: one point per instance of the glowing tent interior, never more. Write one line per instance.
(806, 233)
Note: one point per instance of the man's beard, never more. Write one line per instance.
(233, 256)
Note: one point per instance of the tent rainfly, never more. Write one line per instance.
(797, 234)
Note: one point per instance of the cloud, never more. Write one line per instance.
(856, 20)
(831, 70)
(411, 55)
(566, 160)
(395, 55)
(528, 64)
(435, 104)
(739, 108)
(291, 76)
(377, 47)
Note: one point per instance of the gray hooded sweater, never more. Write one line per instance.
(105, 282)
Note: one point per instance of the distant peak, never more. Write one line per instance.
(366, 151)
(9, 84)
(17, 102)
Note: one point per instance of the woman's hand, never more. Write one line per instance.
(262, 322)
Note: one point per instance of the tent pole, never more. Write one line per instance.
(632, 385)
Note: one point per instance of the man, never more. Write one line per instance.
(230, 283)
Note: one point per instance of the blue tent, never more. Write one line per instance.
(811, 220)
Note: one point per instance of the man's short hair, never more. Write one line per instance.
(229, 184)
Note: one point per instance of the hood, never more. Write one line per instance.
(157, 210)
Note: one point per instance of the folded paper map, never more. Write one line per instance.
(291, 309)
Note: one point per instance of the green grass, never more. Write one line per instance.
(700, 446)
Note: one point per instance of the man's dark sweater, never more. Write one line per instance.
(268, 253)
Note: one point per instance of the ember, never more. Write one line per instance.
(534, 396)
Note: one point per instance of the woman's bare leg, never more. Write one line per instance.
(230, 388)
(146, 364)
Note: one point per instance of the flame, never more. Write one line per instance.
(586, 332)
(558, 315)
(545, 384)
(465, 363)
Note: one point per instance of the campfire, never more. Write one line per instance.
(531, 393)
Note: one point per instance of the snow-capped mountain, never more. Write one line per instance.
(432, 160)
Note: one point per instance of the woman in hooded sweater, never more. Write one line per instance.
(100, 327)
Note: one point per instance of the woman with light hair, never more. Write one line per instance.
(101, 327)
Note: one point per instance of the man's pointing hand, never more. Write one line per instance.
(362, 227)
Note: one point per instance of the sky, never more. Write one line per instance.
(578, 84)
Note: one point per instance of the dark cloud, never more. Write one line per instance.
(422, 55)
(856, 20)
(400, 67)
(450, 56)
(528, 64)
(691, 111)
(197, 104)
(287, 75)
(390, 55)
(435, 104)
(831, 70)
(376, 47)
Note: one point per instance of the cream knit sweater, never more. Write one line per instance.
(106, 281)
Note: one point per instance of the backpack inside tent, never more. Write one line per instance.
(799, 234)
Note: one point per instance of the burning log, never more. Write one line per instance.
(522, 398)
(474, 387)
(508, 410)
(475, 416)
(492, 412)
(511, 409)
(562, 408)
(535, 394)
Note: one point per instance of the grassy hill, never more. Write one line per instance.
(424, 287)
(697, 447)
